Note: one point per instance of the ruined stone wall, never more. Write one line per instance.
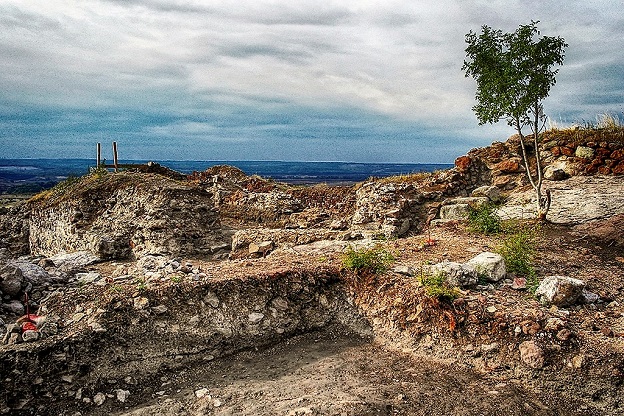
(145, 214)
(14, 230)
(394, 207)
(564, 154)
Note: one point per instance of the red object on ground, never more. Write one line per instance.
(29, 326)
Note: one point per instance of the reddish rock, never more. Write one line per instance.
(604, 170)
(519, 283)
(556, 151)
(618, 154)
(531, 354)
(619, 169)
(607, 332)
(463, 162)
(564, 335)
(592, 144)
(602, 152)
(509, 166)
(530, 327)
(592, 168)
(567, 151)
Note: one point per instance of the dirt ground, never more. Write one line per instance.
(336, 373)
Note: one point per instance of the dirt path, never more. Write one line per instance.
(335, 373)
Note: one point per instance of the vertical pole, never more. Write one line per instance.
(99, 155)
(115, 160)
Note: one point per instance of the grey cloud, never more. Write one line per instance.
(15, 18)
(277, 51)
(381, 76)
(164, 6)
(297, 13)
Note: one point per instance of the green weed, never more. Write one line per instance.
(436, 286)
(483, 219)
(175, 278)
(518, 249)
(374, 260)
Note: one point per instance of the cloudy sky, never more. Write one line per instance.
(356, 80)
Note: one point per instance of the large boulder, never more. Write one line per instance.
(584, 152)
(458, 208)
(560, 290)
(493, 193)
(454, 212)
(70, 262)
(489, 265)
(31, 272)
(553, 173)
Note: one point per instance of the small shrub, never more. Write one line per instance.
(518, 250)
(483, 219)
(141, 285)
(372, 260)
(436, 286)
(116, 288)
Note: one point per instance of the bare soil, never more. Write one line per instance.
(454, 359)
(334, 372)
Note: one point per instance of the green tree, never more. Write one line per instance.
(514, 73)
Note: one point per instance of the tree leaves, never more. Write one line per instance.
(514, 71)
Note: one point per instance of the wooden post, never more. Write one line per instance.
(99, 155)
(115, 160)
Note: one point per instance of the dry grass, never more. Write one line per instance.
(606, 128)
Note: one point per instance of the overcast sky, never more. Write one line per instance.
(369, 81)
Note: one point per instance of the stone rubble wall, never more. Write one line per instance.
(14, 230)
(155, 215)
(280, 237)
(570, 156)
(394, 208)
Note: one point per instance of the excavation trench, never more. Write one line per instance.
(290, 343)
(131, 342)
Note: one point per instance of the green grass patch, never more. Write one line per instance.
(518, 249)
(483, 219)
(436, 286)
(374, 260)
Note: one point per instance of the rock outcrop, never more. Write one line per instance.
(577, 200)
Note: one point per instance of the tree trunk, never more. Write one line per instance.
(543, 202)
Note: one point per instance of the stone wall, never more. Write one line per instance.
(14, 231)
(564, 154)
(128, 214)
(394, 207)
